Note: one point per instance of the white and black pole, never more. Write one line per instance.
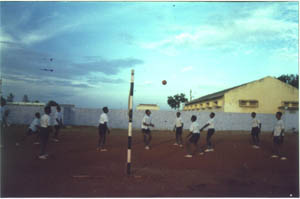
(130, 113)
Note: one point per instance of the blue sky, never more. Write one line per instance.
(203, 46)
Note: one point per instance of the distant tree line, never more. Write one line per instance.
(290, 79)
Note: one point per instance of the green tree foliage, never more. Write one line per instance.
(52, 103)
(290, 79)
(175, 101)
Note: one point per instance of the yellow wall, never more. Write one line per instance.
(269, 92)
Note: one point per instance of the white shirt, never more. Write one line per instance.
(147, 119)
(255, 123)
(211, 123)
(34, 123)
(58, 116)
(45, 121)
(279, 126)
(103, 118)
(194, 128)
(178, 122)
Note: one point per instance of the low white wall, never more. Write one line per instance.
(162, 119)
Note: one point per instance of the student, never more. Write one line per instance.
(278, 135)
(256, 126)
(57, 123)
(102, 129)
(32, 129)
(211, 130)
(178, 129)
(44, 132)
(146, 123)
(195, 135)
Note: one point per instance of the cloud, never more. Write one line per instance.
(187, 68)
(27, 62)
(256, 26)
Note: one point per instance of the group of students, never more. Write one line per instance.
(195, 130)
(41, 126)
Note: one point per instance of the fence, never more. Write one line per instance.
(163, 120)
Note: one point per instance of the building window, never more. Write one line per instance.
(253, 103)
(248, 103)
(243, 103)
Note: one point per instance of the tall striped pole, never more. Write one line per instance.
(130, 122)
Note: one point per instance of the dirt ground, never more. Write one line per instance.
(76, 169)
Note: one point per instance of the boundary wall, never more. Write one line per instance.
(162, 119)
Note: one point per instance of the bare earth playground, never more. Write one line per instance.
(76, 169)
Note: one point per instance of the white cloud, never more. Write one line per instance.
(187, 68)
(148, 82)
(259, 26)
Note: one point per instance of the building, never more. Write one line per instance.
(266, 95)
(147, 106)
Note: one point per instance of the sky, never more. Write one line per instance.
(92, 47)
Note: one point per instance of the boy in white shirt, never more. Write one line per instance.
(256, 126)
(32, 129)
(178, 129)
(195, 135)
(146, 123)
(45, 131)
(57, 123)
(278, 135)
(102, 129)
(211, 130)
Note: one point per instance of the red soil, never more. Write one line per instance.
(75, 169)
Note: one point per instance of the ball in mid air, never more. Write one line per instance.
(164, 82)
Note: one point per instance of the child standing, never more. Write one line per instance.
(57, 123)
(102, 129)
(195, 135)
(211, 130)
(45, 131)
(146, 123)
(33, 129)
(278, 135)
(256, 126)
(178, 129)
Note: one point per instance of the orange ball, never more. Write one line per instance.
(164, 82)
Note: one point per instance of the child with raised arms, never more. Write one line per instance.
(194, 137)
(146, 123)
(178, 129)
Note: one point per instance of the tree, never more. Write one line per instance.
(10, 98)
(290, 79)
(174, 101)
(52, 103)
(25, 98)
